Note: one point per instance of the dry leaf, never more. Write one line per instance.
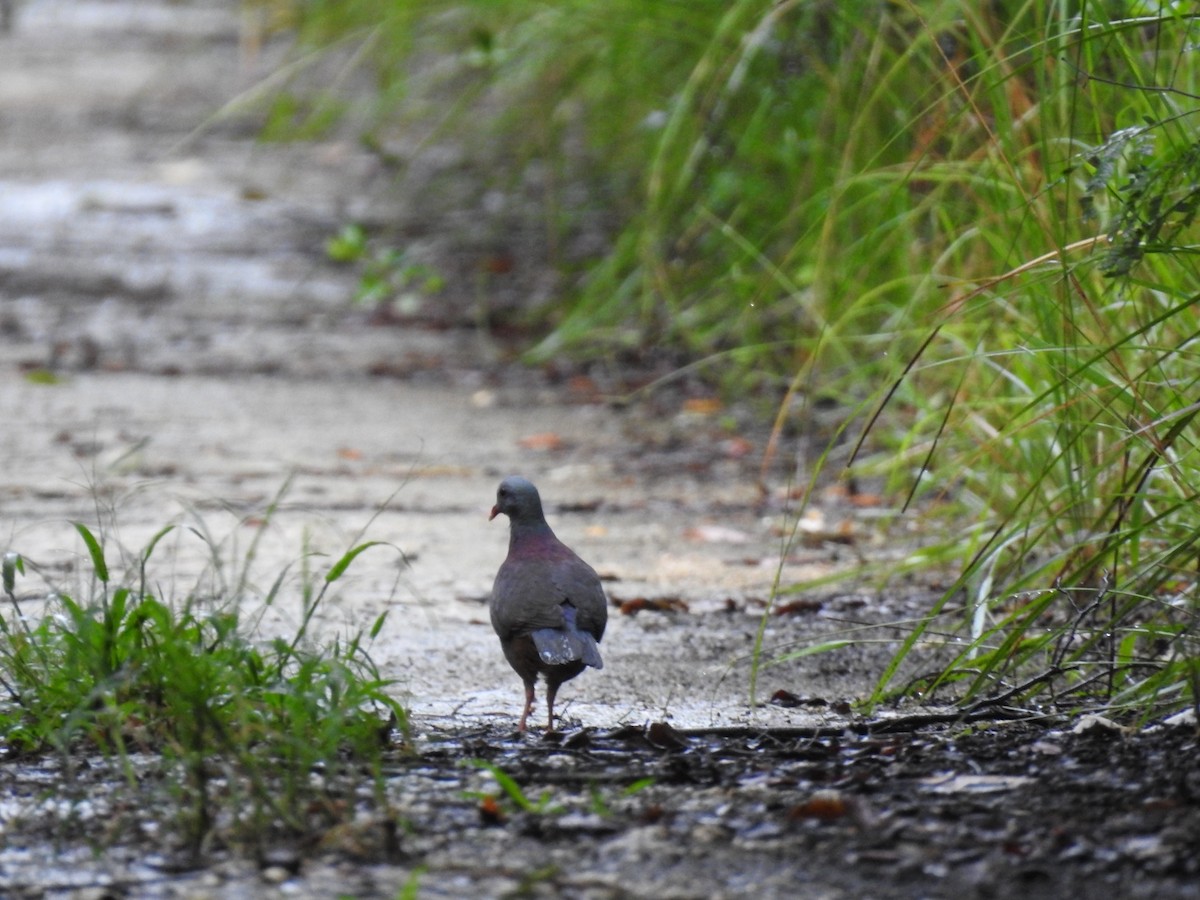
(490, 812)
(737, 447)
(662, 735)
(658, 604)
(499, 264)
(702, 406)
(542, 441)
(798, 606)
(825, 806)
(583, 388)
(716, 534)
(786, 699)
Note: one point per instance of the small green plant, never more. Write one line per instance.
(543, 805)
(600, 806)
(254, 738)
(389, 277)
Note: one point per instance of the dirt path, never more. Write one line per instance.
(176, 348)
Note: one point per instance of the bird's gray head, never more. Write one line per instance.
(518, 499)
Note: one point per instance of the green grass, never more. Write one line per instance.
(255, 741)
(971, 226)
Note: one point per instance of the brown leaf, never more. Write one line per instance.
(703, 406)
(490, 812)
(542, 441)
(796, 607)
(656, 604)
(583, 388)
(737, 447)
(652, 814)
(866, 501)
(499, 264)
(824, 806)
(349, 453)
(662, 735)
(786, 699)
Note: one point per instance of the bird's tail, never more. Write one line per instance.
(557, 646)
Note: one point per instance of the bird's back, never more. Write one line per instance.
(538, 576)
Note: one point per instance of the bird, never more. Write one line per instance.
(547, 605)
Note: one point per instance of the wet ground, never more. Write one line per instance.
(176, 347)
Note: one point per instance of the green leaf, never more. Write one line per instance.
(378, 626)
(507, 783)
(411, 889)
(162, 533)
(342, 564)
(13, 563)
(348, 245)
(96, 552)
(42, 376)
(639, 785)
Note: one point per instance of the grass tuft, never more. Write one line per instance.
(254, 741)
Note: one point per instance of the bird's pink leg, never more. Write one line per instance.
(528, 705)
(551, 693)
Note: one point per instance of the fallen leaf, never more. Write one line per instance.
(866, 501)
(652, 814)
(542, 441)
(815, 529)
(662, 735)
(1099, 725)
(349, 453)
(737, 447)
(490, 812)
(716, 534)
(798, 606)
(789, 700)
(583, 388)
(703, 406)
(824, 806)
(499, 264)
(656, 604)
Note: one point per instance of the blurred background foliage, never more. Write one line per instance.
(971, 225)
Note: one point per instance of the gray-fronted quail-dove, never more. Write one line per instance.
(547, 605)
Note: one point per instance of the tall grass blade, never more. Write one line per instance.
(95, 551)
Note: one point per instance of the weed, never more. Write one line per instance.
(255, 741)
(543, 805)
(389, 277)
